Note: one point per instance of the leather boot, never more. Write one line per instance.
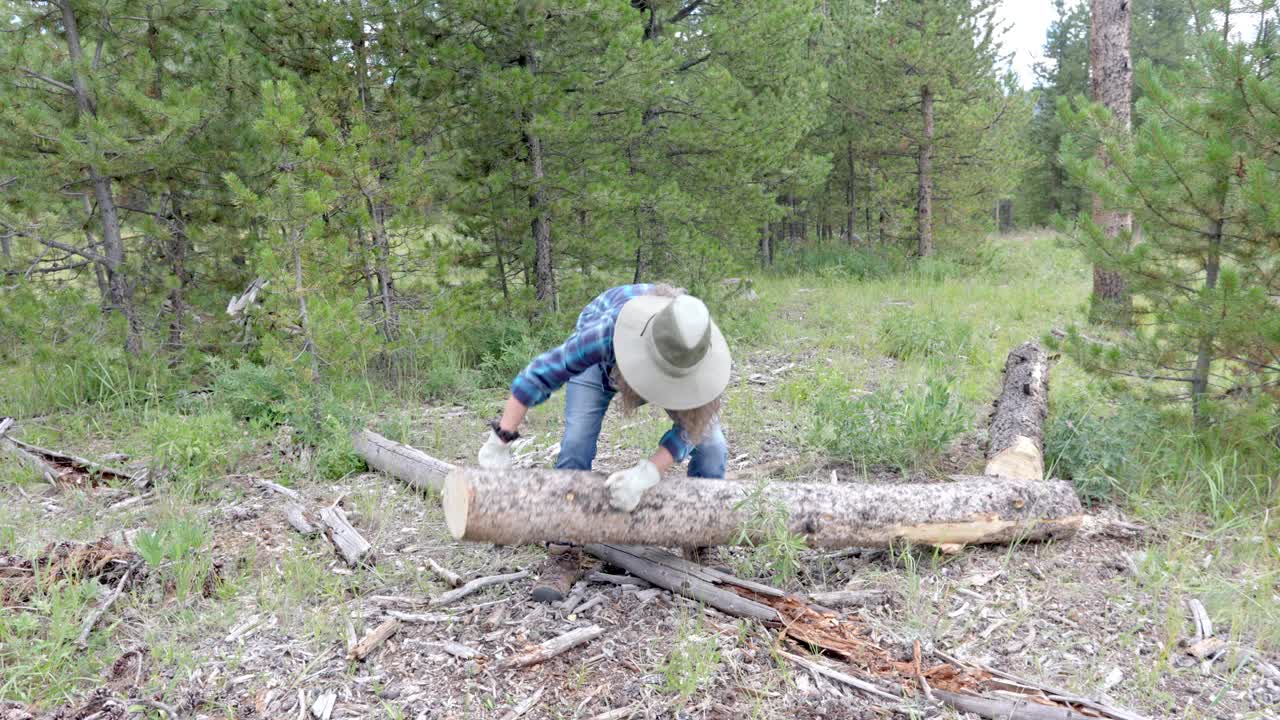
(561, 570)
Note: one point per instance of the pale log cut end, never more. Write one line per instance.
(1020, 461)
(458, 495)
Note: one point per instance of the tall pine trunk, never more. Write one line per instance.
(382, 270)
(1204, 350)
(119, 291)
(178, 247)
(1111, 82)
(924, 199)
(544, 275)
(851, 196)
(300, 290)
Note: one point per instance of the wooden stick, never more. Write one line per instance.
(474, 585)
(1006, 708)
(640, 562)
(420, 617)
(623, 580)
(373, 639)
(621, 713)
(83, 465)
(853, 682)
(349, 542)
(459, 650)
(553, 647)
(850, 598)
(525, 705)
(97, 613)
(451, 578)
(277, 488)
(1204, 626)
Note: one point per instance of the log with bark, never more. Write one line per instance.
(510, 507)
(348, 541)
(1016, 448)
(405, 463)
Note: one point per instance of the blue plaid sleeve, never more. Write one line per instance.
(677, 443)
(590, 345)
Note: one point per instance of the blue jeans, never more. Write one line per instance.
(585, 401)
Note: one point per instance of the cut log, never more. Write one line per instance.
(1016, 448)
(405, 463)
(349, 542)
(511, 507)
(554, 647)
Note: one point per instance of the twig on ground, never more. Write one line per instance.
(450, 577)
(924, 684)
(621, 713)
(276, 488)
(598, 599)
(838, 676)
(525, 705)
(99, 611)
(622, 580)
(554, 647)
(477, 584)
(420, 617)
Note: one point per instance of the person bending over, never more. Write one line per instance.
(647, 343)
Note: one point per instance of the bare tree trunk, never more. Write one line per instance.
(1111, 82)
(1204, 350)
(299, 289)
(544, 277)
(766, 252)
(120, 292)
(924, 166)
(177, 246)
(850, 232)
(382, 270)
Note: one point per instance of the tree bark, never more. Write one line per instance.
(924, 200)
(524, 506)
(1016, 448)
(120, 293)
(544, 277)
(1111, 82)
(382, 269)
(177, 247)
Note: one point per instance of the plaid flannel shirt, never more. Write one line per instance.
(590, 344)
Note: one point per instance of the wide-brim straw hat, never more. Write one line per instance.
(670, 352)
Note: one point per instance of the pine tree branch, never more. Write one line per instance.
(46, 79)
(684, 12)
(693, 62)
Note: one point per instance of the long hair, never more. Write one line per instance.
(695, 422)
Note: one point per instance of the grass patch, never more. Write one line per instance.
(904, 430)
(911, 336)
(692, 662)
(774, 551)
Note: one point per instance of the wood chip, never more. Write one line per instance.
(373, 639)
(477, 584)
(553, 647)
(322, 708)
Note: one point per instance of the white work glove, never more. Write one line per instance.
(626, 486)
(495, 454)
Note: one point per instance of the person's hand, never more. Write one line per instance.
(495, 454)
(627, 486)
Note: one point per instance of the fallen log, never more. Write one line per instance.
(405, 463)
(59, 467)
(510, 507)
(1016, 447)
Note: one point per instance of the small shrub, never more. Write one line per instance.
(910, 336)
(1090, 448)
(196, 446)
(902, 430)
(844, 262)
(174, 550)
(253, 392)
(692, 662)
(774, 549)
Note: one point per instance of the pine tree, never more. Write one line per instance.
(1200, 175)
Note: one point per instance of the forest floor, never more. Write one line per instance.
(1104, 613)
